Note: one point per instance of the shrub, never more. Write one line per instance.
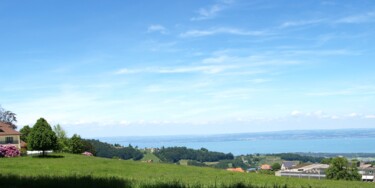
(87, 153)
(9, 151)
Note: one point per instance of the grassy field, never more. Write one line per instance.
(82, 171)
(149, 156)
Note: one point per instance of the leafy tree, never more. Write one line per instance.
(25, 131)
(340, 169)
(42, 137)
(8, 117)
(76, 144)
(63, 141)
(276, 166)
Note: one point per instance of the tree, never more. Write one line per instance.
(276, 166)
(42, 137)
(25, 131)
(340, 169)
(8, 117)
(76, 144)
(62, 139)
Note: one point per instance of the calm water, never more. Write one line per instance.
(334, 145)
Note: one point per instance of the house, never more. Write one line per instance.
(9, 135)
(265, 167)
(310, 171)
(367, 173)
(235, 169)
(286, 165)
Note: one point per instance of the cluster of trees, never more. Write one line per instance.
(341, 169)
(297, 157)
(8, 117)
(42, 137)
(174, 154)
(115, 151)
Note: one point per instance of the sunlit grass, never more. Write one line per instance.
(140, 174)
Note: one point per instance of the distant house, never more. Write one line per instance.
(235, 169)
(287, 165)
(252, 169)
(9, 136)
(266, 167)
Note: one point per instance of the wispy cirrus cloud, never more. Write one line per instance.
(301, 23)
(359, 18)
(222, 30)
(206, 69)
(350, 19)
(157, 28)
(212, 11)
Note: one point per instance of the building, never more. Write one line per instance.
(9, 136)
(309, 171)
(265, 167)
(235, 169)
(367, 172)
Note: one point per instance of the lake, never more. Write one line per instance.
(250, 143)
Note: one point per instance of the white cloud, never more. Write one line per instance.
(300, 23)
(370, 116)
(296, 113)
(223, 30)
(353, 114)
(211, 11)
(361, 18)
(157, 28)
(208, 69)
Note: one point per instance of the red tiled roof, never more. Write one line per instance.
(235, 169)
(5, 129)
(265, 167)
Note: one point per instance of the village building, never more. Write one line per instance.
(266, 167)
(9, 136)
(367, 172)
(309, 171)
(235, 169)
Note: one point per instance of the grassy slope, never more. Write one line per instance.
(150, 156)
(72, 165)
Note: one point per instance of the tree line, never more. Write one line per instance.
(115, 151)
(174, 154)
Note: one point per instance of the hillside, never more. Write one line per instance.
(141, 174)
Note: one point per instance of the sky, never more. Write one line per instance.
(142, 68)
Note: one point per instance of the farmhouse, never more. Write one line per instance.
(9, 136)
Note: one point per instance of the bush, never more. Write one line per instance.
(9, 151)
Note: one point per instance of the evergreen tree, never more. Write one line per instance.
(42, 137)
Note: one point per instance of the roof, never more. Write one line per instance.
(266, 167)
(235, 169)
(5, 129)
(289, 164)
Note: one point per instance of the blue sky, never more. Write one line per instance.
(120, 68)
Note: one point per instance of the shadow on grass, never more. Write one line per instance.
(13, 181)
(48, 156)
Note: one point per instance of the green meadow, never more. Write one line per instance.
(70, 170)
